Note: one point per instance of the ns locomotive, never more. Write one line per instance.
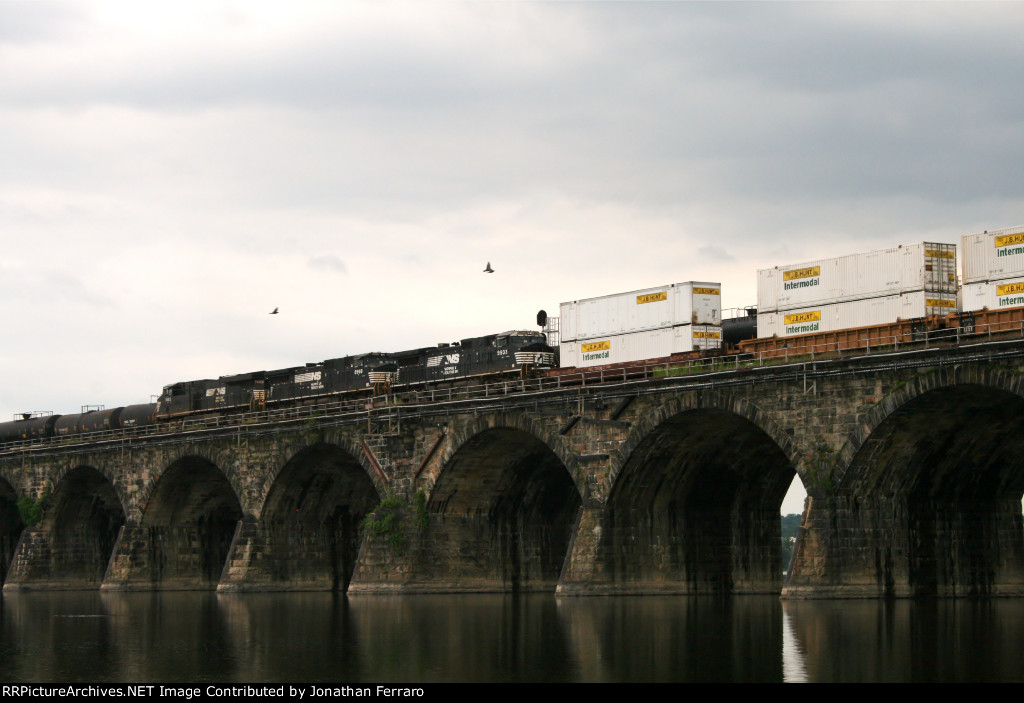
(509, 352)
(516, 351)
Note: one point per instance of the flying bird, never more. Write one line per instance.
(488, 269)
(273, 312)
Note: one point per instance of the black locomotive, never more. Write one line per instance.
(508, 352)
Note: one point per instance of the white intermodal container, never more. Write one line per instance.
(697, 337)
(855, 313)
(690, 303)
(639, 346)
(993, 295)
(994, 255)
(927, 266)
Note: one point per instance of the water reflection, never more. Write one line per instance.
(907, 640)
(322, 637)
(794, 661)
(666, 638)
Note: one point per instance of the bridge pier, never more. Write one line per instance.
(464, 554)
(859, 548)
(30, 566)
(582, 564)
(45, 560)
(70, 547)
(291, 557)
(169, 558)
(497, 518)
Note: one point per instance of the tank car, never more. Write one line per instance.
(739, 327)
(44, 426)
(28, 427)
(88, 421)
(99, 420)
(141, 415)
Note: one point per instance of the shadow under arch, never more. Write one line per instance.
(945, 377)
(501, 515)
(933, 494)
(191, 517)
(83, 519)
(695, 507)
(310, 520)
(11, 526)
(513, 422)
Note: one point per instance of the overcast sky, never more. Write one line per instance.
(172, 172)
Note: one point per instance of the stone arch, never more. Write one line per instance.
(944, 377)
(339, 439)
(932, 483)
(502, 508)
(223, 459)
(112, 474)
(309, 527)
(646, 423)
(693, 505)
(190, 519)
(82, 521)
(520, 422)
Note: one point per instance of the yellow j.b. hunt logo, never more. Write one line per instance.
(651, 298)
(803, 317)
(1009, 288)
(707, 291)
(595, 346)
(934, 303)
(1008, 239)
(939, 254)
(809, 272)
(707, 335)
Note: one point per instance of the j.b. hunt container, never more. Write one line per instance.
(690, 303)
(994, 295)
(928, 267)
(993, 256)
(639, 346)
(857, 313)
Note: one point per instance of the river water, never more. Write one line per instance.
(89, 637)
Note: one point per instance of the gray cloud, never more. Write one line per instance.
(27, 23)
(328, 263)
(715, 253)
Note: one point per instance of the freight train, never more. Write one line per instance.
(516, 352)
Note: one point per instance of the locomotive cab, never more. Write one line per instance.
(526, 349)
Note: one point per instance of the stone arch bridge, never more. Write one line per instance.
(912, 464)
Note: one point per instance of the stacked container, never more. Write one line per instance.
(993, 270)
(643, 324)
(858, 290)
